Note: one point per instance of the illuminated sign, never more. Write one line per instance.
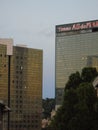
(77, 26)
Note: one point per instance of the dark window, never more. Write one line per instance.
(17, 57)
(4, 65)
(21, 57)
(95, 30)
(17, 66)
(5, 55)
(20, 72)
(17, 72)
(12, 81)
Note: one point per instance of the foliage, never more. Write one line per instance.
(79, 110)
(48, 105)
(88, 74)
(74, 80)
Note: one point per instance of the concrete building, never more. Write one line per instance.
(76, 48)
(25, 92)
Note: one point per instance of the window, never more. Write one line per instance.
(95, 30)
(17, 57)
(5, 65)
(5, 55)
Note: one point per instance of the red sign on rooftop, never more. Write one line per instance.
(76, 26)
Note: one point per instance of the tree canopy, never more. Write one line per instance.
(88, 74)
(48, 105)
(79, 110)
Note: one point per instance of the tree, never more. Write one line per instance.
(86, 112)
(88, 74)
(74, 81)
(48, 105)
(79, 110)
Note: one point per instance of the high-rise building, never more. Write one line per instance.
(26, 66)
(76, 48)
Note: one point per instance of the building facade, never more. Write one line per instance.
(76, 48)
(26, 66)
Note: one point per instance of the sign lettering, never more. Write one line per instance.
(77, 26)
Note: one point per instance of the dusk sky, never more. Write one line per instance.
(32, 22)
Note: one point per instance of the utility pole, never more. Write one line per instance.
(9, 62)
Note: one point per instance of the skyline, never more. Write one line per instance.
(33, 23)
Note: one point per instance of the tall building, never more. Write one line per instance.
(26, 66)
(76, 47)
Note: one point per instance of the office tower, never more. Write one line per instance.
(25, 86)
(76, 48)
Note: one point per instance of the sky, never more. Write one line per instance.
(32, 22)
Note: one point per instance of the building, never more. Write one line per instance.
(76, 48)
(25, 92)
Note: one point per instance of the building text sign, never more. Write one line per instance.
(77, 26)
